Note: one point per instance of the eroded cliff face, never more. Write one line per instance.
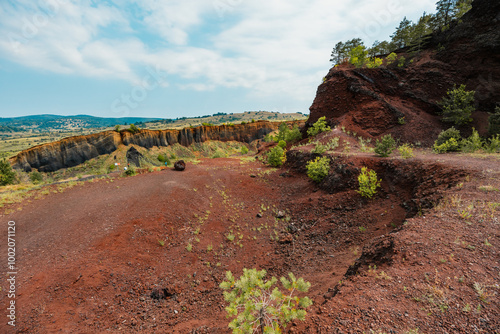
(73, 151)
(402, 101)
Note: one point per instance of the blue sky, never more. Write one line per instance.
(174, 58)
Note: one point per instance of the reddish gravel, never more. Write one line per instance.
(91, 258)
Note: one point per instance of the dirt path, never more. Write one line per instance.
(147, 253)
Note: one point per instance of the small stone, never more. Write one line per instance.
(180, 165)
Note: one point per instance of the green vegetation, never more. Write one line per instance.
(473, 143)
(133, 128)
(257, 308)
(130, 171)
(458, 105)
(117, 128)
(276, 156)
(368, 183)
(385, 147)
(318, 127)
(7, 175)
(36, 177)
(163, 159)
(282, 144)
(494, 123)
(244, 150)
(406, 151)
(318, 169)
(407, 34)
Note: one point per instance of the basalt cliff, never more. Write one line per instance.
(73, 151)
(403, 100)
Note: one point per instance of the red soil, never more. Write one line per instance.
(90, 258)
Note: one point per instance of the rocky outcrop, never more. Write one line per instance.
(73, 151)
(403, 100)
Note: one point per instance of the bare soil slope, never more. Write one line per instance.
(147, 253)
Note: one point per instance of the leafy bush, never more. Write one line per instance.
(282, 143)
(401, 61)
(368, 183)
(450, 145)
(293, 135)
(276, 156)
(36, 177)
(318, 127)
(257, 308)
(358, 56)
(133, 128)
(244, 149)
(319, 148)
(473, 143)
(207, 124)
(218, 154)
(130, 171)
(406, 151)
(318, 169)
(385, 147)
(458, 106)
(494, 144)
(374, 63)
(7, 175)
(391, 58)
(117, 128)
(332, 144)
(445, 135)
(494, 122)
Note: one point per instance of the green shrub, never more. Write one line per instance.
(368, 183)
(276, 156)
(449, 146)
(374, 63)
(130, 171)
(7, 175)
(494, 123)
(117, 128)
(208, 124)
(319, 148)
(36, 177)
(473, 143)
(406, 151)
(318, 169)
(401, 61)
(244, 150)
(391, 58)
(385, 147)
(111, 168)
(218, 154)
(318, 127)
(445, 135)
(293, 135)
(494, 144)
(358, 56)
(458, 105)
(333, 144)
(282, 144)
(257, 307)
(133, 128)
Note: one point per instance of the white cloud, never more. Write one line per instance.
(271, 48)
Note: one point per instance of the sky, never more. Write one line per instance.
(176, 58)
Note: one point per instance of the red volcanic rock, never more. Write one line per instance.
(402, 101)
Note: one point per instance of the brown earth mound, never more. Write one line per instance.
(402, 101)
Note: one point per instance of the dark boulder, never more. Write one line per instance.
(180, 165)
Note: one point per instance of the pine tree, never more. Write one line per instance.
(402, 35)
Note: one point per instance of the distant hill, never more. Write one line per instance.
(55, 123)
(48, 122)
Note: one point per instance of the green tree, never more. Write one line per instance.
(368, 182)
(318, 169)
(494, 122)
(385, 147)
(318, 127)
(444, 13)
(7, 175)
(256, 306)
(402, 36)
(458, 105)
(276, 156)
(117, 128)
(341, 50)
(358, 56)
(133, 128)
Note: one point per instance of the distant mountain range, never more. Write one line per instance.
(55, 122)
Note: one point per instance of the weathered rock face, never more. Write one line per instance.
(403, 100)
(180, 165)
(73, 151)
(134, 157)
